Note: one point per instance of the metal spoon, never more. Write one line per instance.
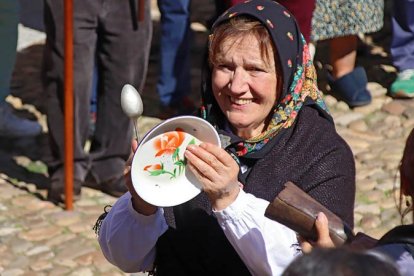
(131, 104)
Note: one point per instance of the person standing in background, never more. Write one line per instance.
(402, 48)
(115, 35)
(174, 82)
(340, 22)
(10, 125)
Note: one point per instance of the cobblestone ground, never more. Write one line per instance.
(39, 238)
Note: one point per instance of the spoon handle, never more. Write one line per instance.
(136, 129)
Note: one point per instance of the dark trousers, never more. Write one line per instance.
(106, 32)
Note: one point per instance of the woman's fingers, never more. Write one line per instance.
(220, 154)
(134, 145)
(213, 163)
(201, 168)
(127, 169)
(212, 156)
(306, 246)
(199, 175)
(203, 160)
(128, 180)
(322, 228)
(138, 203)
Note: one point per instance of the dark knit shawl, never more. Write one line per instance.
(311, 154)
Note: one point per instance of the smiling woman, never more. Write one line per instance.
(243, 72)
(260, 93)
(242, 79)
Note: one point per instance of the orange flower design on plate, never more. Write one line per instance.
(169, 142)
(154, 167)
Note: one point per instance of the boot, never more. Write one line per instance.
(12, 126)
(351, 88)
(56, 190)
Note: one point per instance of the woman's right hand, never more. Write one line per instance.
(324, 240)
(140, 205)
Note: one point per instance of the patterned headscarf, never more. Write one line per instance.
(299, 76)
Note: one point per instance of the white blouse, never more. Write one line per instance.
(128, 239)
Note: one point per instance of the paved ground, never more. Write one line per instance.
(39, 238)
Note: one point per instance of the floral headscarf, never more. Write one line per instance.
(299, 76)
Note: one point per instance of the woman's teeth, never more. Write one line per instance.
(240, 101)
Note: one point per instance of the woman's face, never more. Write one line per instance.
(244, 85)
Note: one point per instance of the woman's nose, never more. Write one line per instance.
(238, 82)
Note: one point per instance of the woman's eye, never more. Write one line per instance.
(224, 67)
(256, 69)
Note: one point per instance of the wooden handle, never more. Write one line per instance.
(68, 104)
(141, 10)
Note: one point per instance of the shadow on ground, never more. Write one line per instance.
(19, 159)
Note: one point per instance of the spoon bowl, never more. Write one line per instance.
(131, 104)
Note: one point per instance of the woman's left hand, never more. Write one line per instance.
(217, 171)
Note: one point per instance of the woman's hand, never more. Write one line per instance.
(217, 171)
(324, 240)
(138, 203)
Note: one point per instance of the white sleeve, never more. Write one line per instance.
(128, 239)
(265, 246)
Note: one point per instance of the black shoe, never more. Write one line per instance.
(56, 191)
(115, 187)
(90, 182)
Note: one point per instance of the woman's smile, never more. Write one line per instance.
(240, 102)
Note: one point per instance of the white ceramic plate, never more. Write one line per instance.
(158, 170)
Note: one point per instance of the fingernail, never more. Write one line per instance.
(321, 216)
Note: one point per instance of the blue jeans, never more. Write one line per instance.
(402, 46)
(9, 19)
(174, 79)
